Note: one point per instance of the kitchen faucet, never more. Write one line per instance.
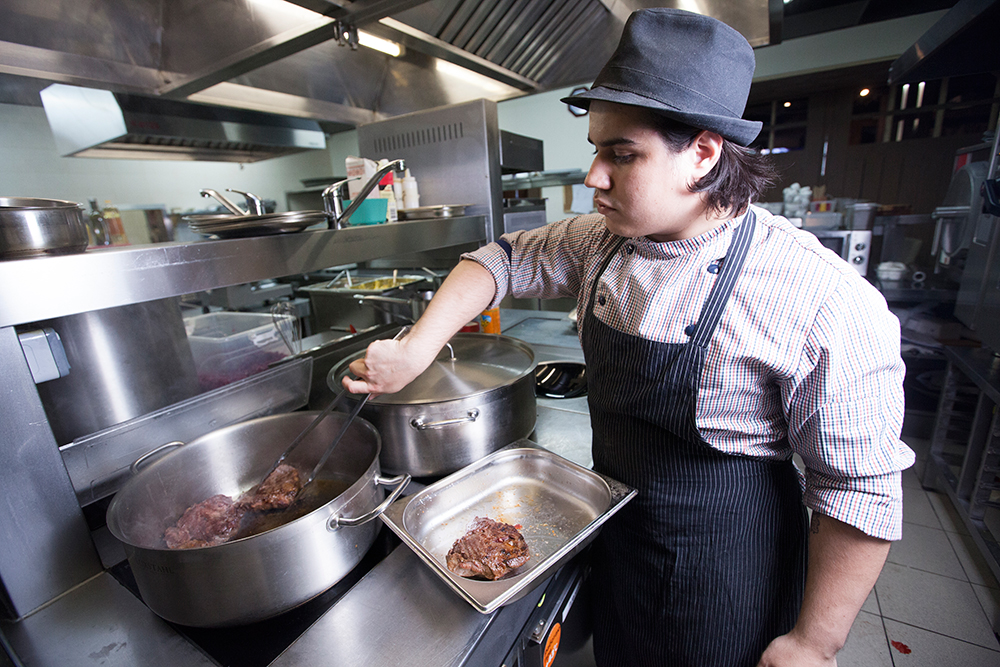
(333, 201)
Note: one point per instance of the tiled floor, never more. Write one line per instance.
(934, 604)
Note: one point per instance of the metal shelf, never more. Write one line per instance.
(46, 287)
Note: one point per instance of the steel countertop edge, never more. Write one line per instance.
(102, 622)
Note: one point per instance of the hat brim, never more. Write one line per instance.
(737, 130)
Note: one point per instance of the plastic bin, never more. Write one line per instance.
(231, 346)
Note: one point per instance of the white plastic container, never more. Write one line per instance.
(231, 346)
(411, 197)
(360, 170)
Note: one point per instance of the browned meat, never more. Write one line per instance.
(489, 550)
(277, 491)
(206, 524)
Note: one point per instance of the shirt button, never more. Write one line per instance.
(689, 329)
(713, 268)
(601, 299)
(630, 249)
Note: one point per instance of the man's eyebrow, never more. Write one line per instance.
(616, 141)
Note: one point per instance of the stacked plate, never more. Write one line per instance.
(227, 226)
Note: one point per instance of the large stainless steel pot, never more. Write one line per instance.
(32, 227)
(255, 577)
(457, 411)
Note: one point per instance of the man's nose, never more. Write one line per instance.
(597, 177)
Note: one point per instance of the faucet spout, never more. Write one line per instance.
(334, 204)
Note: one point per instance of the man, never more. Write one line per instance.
(719, 341)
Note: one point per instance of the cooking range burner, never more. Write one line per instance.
(258, 644)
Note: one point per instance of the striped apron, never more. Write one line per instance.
(707, 564)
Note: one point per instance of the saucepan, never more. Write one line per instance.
(32, 227)
(262, 575)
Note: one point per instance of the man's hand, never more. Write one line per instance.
(788, 650)
(387, 367)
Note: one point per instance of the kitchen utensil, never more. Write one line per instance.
(320, 417)
(458, 410)
(559, 506)
(561, 379)
(231, 226)
(33, 227)
(430, 212)
(262, 575)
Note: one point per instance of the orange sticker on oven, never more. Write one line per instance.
(552, 646)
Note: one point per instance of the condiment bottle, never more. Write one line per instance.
(489, 321)
(411, 198)
(113, 218)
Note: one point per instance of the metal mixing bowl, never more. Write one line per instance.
(30, 227)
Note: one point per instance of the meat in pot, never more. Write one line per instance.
(488, 550)
(277, 491)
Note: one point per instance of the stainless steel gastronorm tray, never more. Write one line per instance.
(559, 505)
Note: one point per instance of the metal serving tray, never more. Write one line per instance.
(559, 505)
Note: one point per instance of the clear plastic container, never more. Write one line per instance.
(231, 346)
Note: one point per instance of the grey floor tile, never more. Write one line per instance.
(976, 569)
(989, 598)
(946, 513)
(866, 645)
(927, 549)
(917, 508)
(933, 602)
(871, 603)
(910, 479)
(916, 647)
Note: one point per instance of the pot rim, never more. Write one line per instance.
(51, 204)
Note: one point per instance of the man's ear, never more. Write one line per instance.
(704, 153)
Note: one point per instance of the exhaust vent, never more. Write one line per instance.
(97, 123)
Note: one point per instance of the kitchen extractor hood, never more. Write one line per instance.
(87, 122)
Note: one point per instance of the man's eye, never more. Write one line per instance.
(623, 159)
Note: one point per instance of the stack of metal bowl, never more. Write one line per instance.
(31, 227)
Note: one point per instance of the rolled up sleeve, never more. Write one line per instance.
(845, 412)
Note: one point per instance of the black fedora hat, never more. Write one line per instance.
(685, 66)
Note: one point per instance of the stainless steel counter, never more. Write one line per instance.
(101, 622)
(47, 287)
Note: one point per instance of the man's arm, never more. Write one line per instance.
(390, 365)
(844, 564)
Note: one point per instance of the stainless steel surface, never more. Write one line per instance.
(31, 227)
(335, 304)
(98, 123)
(100, 623)
(452, 151)
(958, 213)
(559, 505)
(255, 577)
(119, 276)
(255, 205)
(124, 363)
(456, 411)
(235, 226)
(285, 57)
(425, 212)
(46, 544)
(98, 464)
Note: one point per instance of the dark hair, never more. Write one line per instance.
(740, 176)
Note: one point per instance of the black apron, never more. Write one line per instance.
(707, 564)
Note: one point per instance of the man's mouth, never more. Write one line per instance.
(602, 206)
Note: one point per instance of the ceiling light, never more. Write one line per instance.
(864, 92)
(787, 104)
(474, 78)
(379, 44)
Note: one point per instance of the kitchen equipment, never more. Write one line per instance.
(231, 346)
(429, 212)
(124, 362)
(561, 379)
(558, 505)
(334, 303)
(32, 227)
(853, 246)
(288, 325)
(255, 577)
(407, 308)
(458, 410)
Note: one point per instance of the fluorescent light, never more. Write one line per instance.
(468, 76)
(379, 44)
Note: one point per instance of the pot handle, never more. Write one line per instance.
(134, 468)
(401, 481)
(419, 423)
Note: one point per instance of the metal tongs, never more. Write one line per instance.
(320, 417)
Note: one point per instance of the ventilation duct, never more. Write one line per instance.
(94, 123)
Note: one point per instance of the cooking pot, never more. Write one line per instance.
(259, 576)
(476, 397)
(31, 227)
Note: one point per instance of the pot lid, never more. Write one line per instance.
(482, 363)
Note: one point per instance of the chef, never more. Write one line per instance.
(719, 341)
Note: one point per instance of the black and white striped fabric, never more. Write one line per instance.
(707, 564)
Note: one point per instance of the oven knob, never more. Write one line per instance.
(858, 260)
(860, 246)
